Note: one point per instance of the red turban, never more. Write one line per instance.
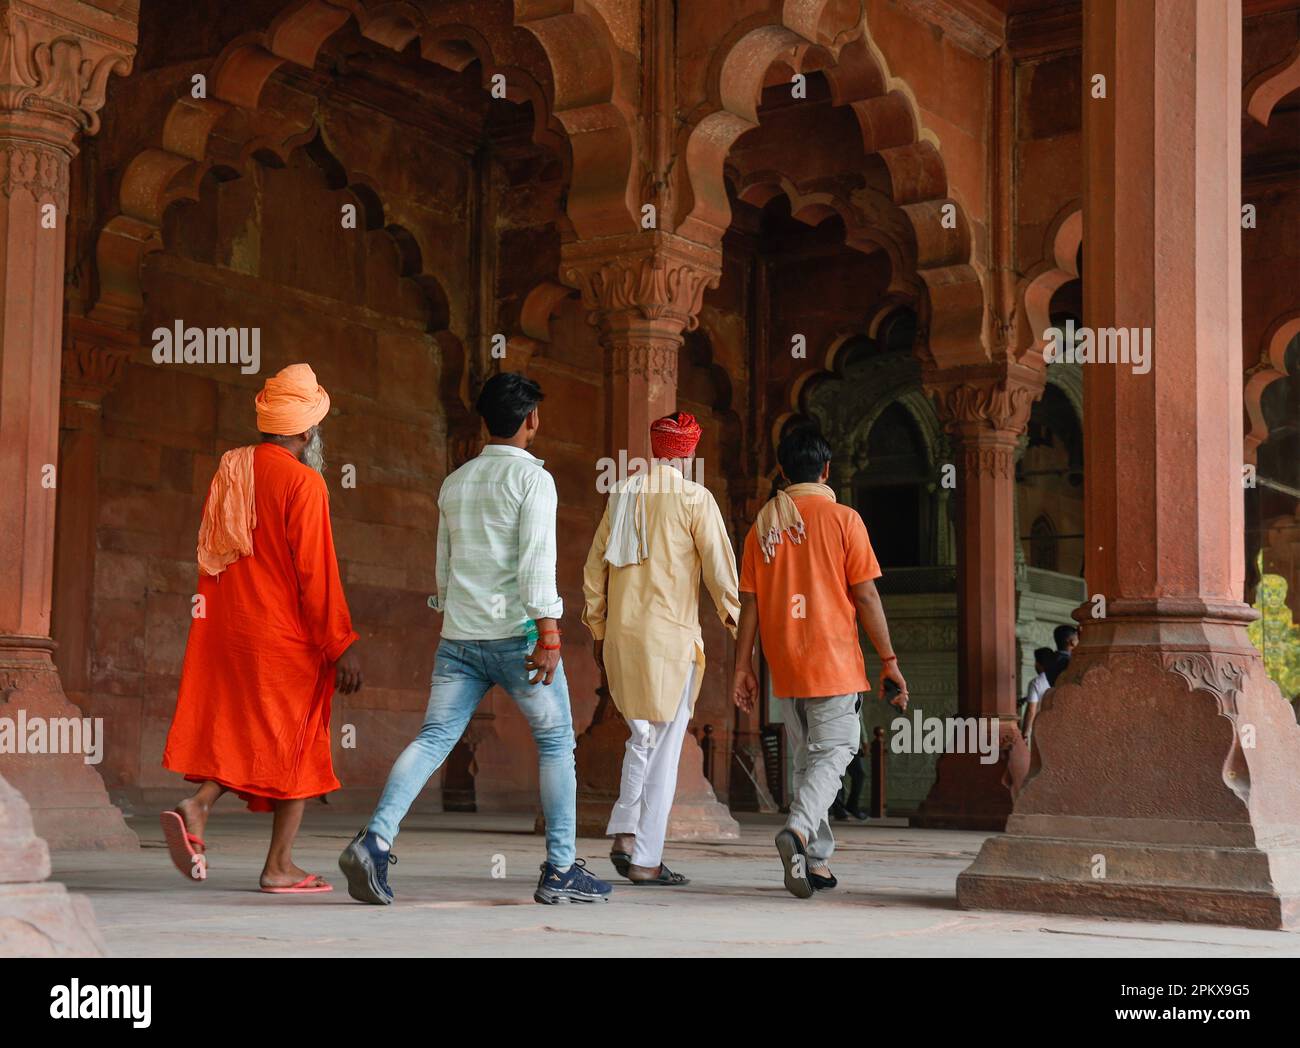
(674, 436)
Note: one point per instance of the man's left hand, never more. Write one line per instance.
(347, 672)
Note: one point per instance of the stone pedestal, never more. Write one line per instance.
(37, 918)
(1164, 779)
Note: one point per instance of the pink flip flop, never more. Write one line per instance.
(190, 860)
(303, 887)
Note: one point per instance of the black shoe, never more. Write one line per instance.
(820, 883)
(574, 885)
(365, 864)
(795, 861)
(861, 814)
(838, 812)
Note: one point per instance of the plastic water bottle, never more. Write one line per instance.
(530, 634)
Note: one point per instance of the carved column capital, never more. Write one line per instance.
(94, 356)
(987, 404)
(650, 280)
(55, 60)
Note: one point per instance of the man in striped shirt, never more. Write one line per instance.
(501, 610)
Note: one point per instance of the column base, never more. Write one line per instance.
(37, 918)
(1162, 787)
(970, 795)
(44, 920)
(1202, 883)
(69, 804)
(697, 813)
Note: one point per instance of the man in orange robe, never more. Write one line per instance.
(271, 638)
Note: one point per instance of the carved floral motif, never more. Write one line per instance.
(649, 279)
(1001, 405)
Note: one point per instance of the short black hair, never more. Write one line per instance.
(1044, 656)
(506, 400)
(1062, 635)
(803, 454)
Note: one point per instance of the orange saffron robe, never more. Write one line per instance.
(253, 712)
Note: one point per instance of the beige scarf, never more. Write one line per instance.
(780, 516)
(229, 517)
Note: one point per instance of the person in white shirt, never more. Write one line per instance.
(1043, 658)
(501, 610)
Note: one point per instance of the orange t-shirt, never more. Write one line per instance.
(806, 615)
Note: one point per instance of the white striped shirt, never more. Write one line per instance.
(496, 546)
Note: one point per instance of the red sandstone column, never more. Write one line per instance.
(985, 410)
(59, 55)
(59, 58)
(1163, 782)
(643, 291)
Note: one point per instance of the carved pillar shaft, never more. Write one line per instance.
(93, 359)
(985, 411)
(1163, 783)
(644, 366)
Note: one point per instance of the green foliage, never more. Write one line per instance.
(1275, 635)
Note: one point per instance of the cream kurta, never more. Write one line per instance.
(648, 614)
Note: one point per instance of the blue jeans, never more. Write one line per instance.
(463, 671)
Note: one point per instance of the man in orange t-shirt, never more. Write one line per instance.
(806, 583)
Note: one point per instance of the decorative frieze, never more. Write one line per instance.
(40, 169)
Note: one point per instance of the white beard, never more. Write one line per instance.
(313, 454)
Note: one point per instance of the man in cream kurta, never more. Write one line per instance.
(661, 533)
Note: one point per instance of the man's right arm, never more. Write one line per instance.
(744, 684)
(442, 565)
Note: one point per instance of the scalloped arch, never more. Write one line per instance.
(1059, 266)
(581, 118)
(820, 34)
(1271, 367)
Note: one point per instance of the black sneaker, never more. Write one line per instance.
(575, 885)
(365, 864)
(795, 860)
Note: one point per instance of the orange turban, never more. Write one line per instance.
(674, 436)
(291, 402)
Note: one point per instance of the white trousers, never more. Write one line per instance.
(645, 797)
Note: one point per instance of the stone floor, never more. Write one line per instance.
(895, 899)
